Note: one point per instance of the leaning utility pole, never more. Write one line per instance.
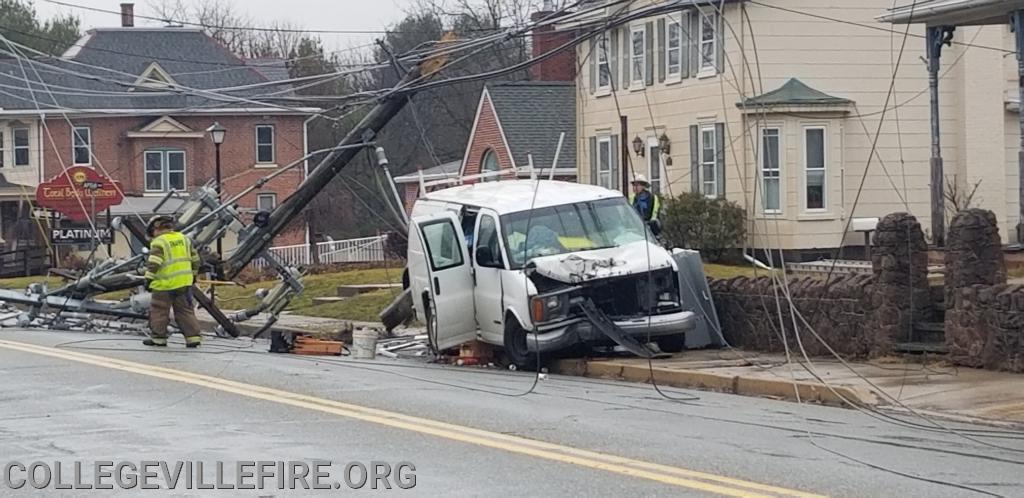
(257, 240)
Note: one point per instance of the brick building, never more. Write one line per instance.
(135, 104)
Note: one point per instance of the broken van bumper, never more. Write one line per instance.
(558, 336)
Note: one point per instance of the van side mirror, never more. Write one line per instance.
(484, 257)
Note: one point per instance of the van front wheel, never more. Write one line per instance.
(515, 345)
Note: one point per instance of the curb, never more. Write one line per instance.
(732, 384)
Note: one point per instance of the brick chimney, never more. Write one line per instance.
(127, 15)
(559, 67)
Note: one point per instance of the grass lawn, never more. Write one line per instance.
(361, 308)
(728, 271)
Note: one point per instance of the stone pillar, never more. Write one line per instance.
(979, 306)
(900, 296)
(974, 252)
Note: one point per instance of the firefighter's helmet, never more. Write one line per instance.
(158, 222)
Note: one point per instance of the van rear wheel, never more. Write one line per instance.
(515, 345)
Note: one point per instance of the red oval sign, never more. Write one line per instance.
(78, 192)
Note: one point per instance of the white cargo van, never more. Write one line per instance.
(541, 266)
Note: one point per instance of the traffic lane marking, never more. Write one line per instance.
(666, 474)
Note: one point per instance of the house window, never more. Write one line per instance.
(654, 165)
(2, 150)
(604, 162)
(771, 196)
(264, 144)
(708, 37)
(604, 72)
(674, 45)
(709, 161)
(638, 76)
(814, 168)
(489, 164)
(21, 146)
(81, 145)
(164, 170)
(266, 202)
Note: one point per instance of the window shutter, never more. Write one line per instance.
(661, 49)
(695, 18)
(613, 66)
(627, 56)
(614, 160)
(686, 39)
(720, 43)
(694, 159)
(593, 161)
(649, 52)
(720, 158)
(593, 65)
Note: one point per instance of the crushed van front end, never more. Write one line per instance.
(634, 291)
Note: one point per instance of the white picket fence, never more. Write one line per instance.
(364, 250)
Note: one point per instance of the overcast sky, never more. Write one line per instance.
(308, 14)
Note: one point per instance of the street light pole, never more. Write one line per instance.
(217, 133)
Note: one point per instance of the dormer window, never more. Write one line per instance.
(155, 77)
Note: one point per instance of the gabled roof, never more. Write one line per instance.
(104, 68)
(532, 115)
(794, 93)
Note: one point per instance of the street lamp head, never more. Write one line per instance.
(217, 133)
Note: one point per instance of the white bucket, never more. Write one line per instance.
(364, 344)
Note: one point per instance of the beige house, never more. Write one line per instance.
(775, 104)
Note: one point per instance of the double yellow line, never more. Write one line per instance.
(675, 476)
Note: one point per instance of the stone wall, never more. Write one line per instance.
(985, 327)
(858, 315)
(839, 312)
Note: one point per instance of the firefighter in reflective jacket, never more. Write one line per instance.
(170, 272)
(646, 203)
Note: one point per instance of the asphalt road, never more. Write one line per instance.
(466, 430)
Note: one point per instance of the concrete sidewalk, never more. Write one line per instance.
(893, 383)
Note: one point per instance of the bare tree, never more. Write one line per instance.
(958, 198)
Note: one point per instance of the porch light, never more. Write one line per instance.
(664, 144)
(638, 146)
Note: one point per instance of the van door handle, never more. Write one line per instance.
(437, 286)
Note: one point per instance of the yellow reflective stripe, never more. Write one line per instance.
(156, 260)
(150, 275)
(158, 340)
(193, 339)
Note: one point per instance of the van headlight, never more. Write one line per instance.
(548, 308)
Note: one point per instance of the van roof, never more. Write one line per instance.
(511, 196)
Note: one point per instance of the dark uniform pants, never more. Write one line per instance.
(184, 314)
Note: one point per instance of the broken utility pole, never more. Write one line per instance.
(259, 238)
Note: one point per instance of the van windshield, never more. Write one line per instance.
(582, 226)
